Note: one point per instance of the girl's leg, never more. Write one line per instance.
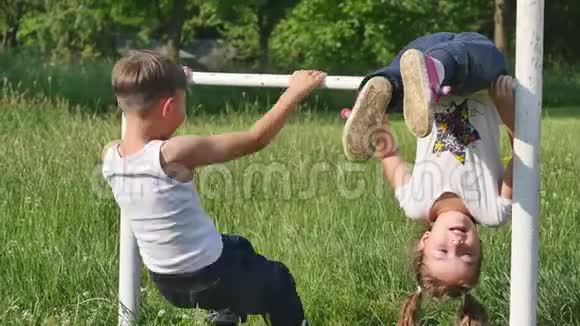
(468, 62)
(471, 61)
(365, 119)
(392, 72)
(379, 91)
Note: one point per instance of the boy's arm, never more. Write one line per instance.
(502, 93)
(195, 151)
(395, 168)
(108, 147)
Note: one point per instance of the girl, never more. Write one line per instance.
(457, 181)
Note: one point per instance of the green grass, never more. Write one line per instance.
(346, 248)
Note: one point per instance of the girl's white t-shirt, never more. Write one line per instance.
(461, 156)
(173, 233)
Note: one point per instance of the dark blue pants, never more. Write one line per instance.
(471, 63)
(241, 281)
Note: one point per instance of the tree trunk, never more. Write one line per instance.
(173, 44)
(264, 32)
(172, 49)
(264, 59)
(10, 40)
(499, 32)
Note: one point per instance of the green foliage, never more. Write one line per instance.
(340, 36)
(562, 22)
(238, 25)
(70, 28)
(349, 34)
(11, 13)
(268, 13)
(249, 24)
(151, 18)
(88, 83)
(322, 34)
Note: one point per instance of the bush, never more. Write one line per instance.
(88, 84)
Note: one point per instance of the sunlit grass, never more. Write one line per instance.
(335, 224)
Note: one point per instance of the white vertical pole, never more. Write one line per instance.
(526, 203)
(129, 269)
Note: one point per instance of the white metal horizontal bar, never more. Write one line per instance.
(267, 80)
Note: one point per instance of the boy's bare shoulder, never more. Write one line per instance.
(108, 146)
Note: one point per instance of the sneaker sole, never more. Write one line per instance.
(418, 117)
(367, 114)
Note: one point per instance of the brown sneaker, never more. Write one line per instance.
(366, 118)
(421, 90)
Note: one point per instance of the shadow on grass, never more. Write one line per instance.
(562, 112)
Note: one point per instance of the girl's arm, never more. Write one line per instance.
(507, 183)
(395, 169)
(502, 93)
(195, 151)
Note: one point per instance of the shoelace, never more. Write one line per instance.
(345, 113)
(434, 82)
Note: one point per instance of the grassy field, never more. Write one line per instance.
(335, 224)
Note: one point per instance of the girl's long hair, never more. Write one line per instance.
(470, 313)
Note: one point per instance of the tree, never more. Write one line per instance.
(70, 28)
(353, 36)
(562, 22)
(267, 13)
(499, 31)
(159, 19)
(12, 15)
(13, 11)
(174, 28)
(88, 28)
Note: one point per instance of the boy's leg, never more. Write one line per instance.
(183, 291)
(225, 317)
(251, 284)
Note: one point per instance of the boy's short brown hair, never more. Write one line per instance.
(143, 77)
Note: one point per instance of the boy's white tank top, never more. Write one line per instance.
(173, 232)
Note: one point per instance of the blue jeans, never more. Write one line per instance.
(471, 63)
(240, 281)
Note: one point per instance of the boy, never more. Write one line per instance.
(150, 172)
